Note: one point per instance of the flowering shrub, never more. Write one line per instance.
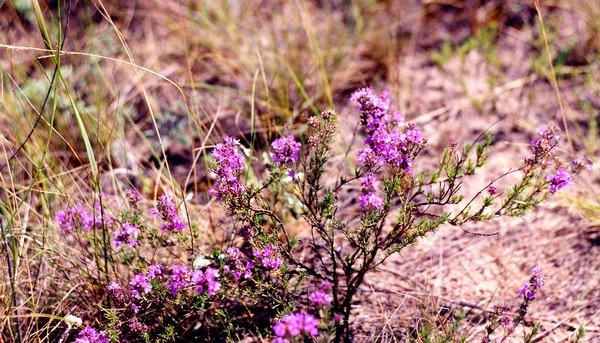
(270, 282)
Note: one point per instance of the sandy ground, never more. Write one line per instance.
(461, 271)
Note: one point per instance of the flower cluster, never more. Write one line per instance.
(180, 277)
(285, 150)
(140, 285)
(116, 292)
(321, 297)
(127, 233)
(135, 325)
(168, 212)
(238, 265)
(154, 271)
(206, 281)
(388, 141)
(375, 109)
(293, 325)
(266, 257)
(113, 287)
(249, 272)
(91, 335)
(75, 217)
(529, 289)
(78, 217)
(561, 179)
(370, 198)
(228, 166)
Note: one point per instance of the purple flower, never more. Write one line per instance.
(295, 324)
(560, 180)
(413, 135)
(206, 281)
(127, 233)
(370, 199)
(368, 158)
(389, 141)
(241, 267)
(140, 285)
(136, 326)
(115, 291)
(285, 150)
(505, 320)
(229, 164)
(234, 253)
(537, 277)
(113, 286)
(75, 217)
(293, 175)
(320, 298)
(388, 145)
(154, 271)
(529, 290)
(549, 132)
(91, 335)
(180, 276)
(168, 211)
(266, 257)
(375, 110)
(492, 190)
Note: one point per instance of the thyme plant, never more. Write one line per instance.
(271, 281)
(396, 205)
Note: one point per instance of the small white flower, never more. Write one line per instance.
(71, 319)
